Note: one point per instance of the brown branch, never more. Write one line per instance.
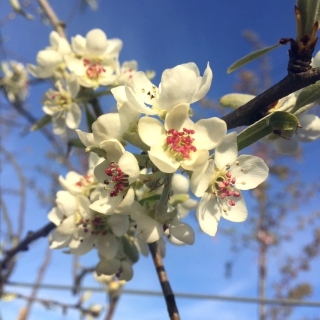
(257, 108)
(57, 25)
(112, 307)
(79, 277)
(24, 244)
(164, 281)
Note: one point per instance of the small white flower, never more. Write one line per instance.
(117, 173)
(181, 84)
(219, 183)
(14, 81)
(61, 105)
(180, 141)
(98, 63)
(150, 230)
(76, 183)
(52, 58)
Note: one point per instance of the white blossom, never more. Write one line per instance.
(180, 141)
(219, 183)
(14, 81)
(60, 104)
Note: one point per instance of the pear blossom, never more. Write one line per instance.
(67, 215)
(180, 141)
(117, 173)
(76, 183)
(180, 188)
(82, 229)
(96, 61)
(51, 60)
(14, 81)
(150, 230)
(181, 84)
(220, 182)
(61, 106)
(111, 125)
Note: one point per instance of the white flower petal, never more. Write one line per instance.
(56, 216)
(66, 202)
(58, 240)
(250, 172)
(236, 213)
(180, 184)
(113, 148)
(208, 214)
(227, 151)
(96, 42)
(86, 138)
(178, 118)
(81, 246)
(204, 85)
(161, 160)
(201, 178)
(285, 146)
(106, 127)
(107, 245)
(209, 133)
(119, 224)
(310, 130)
(73, 118)
(151, 131)
(178, 85)
(148, 229)
(129, 165)
(67, 226)
(182, 231)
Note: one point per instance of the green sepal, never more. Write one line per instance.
(284, 123)
(41, 123)
(250, 57)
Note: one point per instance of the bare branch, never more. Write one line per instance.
(164, 281)
(57, 25)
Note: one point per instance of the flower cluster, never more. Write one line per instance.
(77, 69)
(127, 200)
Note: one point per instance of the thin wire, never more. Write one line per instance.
(288, 302)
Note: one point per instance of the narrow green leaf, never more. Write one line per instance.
(307, 95)
(235, 100)
(309, 14)
(41, 123)
(250, 57)
(254, 133)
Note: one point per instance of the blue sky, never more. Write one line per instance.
(159, 35)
